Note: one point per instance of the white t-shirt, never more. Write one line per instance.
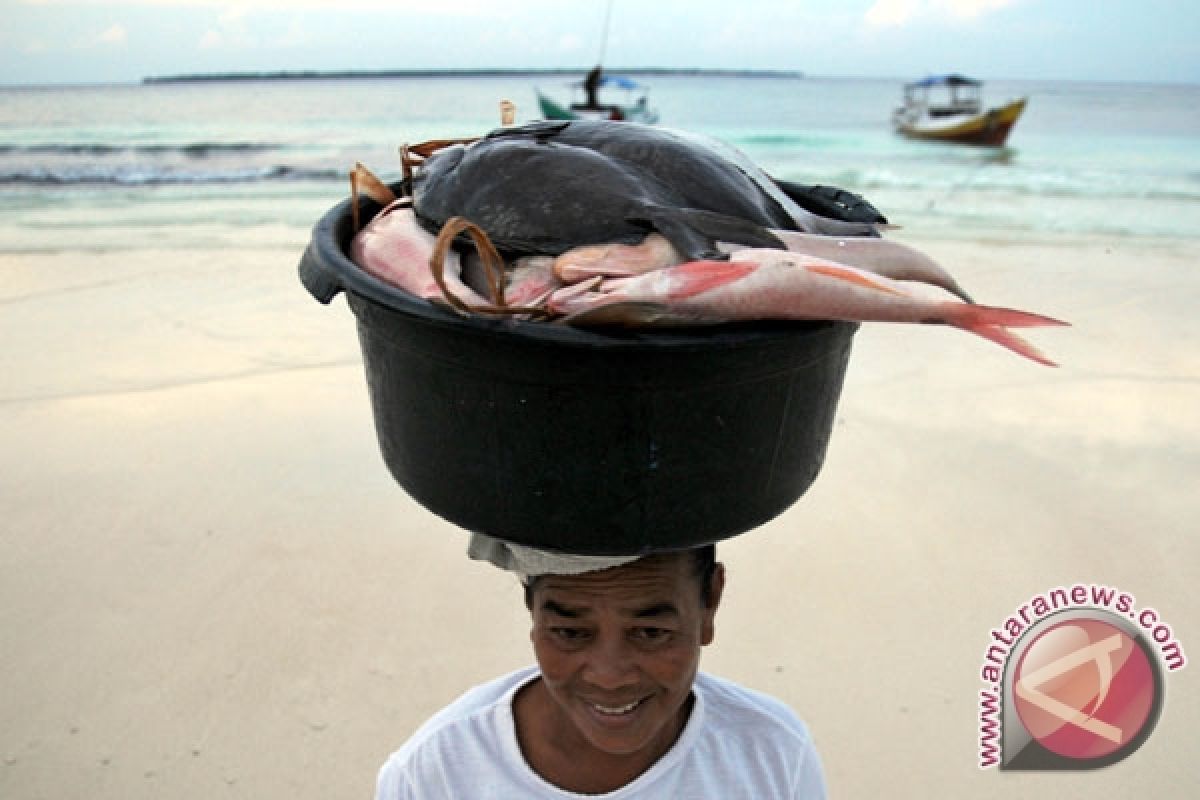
(737, 743)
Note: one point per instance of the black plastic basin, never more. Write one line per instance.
(586, 442)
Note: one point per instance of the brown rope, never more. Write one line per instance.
(493, 265)
(426, 149)
(437, 263)
(414, 155)
(354, 200)
(365, 182)
(407, 163)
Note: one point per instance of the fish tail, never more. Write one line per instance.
(971, 314)
(992, 323)
(1006, 338)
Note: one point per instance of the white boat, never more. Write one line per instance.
(631, 106)
(949, 108)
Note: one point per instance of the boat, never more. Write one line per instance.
(633, 106)
(586, 101)
(949, 108)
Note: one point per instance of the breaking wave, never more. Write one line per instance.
(190, 150)
(151, 176)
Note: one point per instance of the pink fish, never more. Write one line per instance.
(777, 284)
(397, 250)
(881, 256)
(891, 259)
(530, 280)
(616, 260)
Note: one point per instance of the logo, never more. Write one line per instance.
(1073, 681)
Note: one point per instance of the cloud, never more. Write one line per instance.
(885, 13)
(894, 13)
(231, 31)
(570, 43)
(450, 7)
(969, 9)
(296, 34)
(210, 40)
(113, 35)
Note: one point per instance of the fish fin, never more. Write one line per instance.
(851, 275)
(694, 232)
(695, 277)
(540, 129)
(832, 202)
(572, 291)
(573, 273)
(992, 323)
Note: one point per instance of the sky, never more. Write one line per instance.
(122, 41)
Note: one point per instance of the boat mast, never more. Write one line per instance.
(604, 32)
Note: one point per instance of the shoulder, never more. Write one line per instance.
(728, 703)
(758, 740)
(473, 729)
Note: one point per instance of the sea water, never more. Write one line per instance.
(254, 163)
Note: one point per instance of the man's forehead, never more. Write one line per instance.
(631, 588)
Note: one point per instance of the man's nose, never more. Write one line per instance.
(611, 664)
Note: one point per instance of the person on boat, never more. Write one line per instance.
(615, 705)
(591, 85)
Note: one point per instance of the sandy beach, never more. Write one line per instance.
(211, 587)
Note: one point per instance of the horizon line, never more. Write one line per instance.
(474, 72)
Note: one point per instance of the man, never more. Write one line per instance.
(591, 84)
(616, 706)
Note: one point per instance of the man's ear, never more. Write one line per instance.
(716, 588)
(717, 585)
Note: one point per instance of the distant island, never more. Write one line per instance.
(309, 75)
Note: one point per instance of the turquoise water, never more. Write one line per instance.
(218, 164)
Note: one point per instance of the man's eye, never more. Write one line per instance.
(651, 634)
(569, 634)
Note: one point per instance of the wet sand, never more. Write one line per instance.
(210, 586)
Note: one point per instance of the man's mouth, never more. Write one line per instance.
(616, 711)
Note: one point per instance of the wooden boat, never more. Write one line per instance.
(948, 108)
(634, 106)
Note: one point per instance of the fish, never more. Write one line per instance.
(614, 259)
(885, 257)
(814, 209)
(528, 280)
(394, 248)
(547, 187)
(881, 256)
(757, 284)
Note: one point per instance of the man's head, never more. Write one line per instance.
(704, 565)
(619, 649)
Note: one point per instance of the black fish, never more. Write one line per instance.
(549, 186)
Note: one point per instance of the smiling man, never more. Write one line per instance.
(616, 706)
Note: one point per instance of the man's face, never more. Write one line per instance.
(618, 651)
